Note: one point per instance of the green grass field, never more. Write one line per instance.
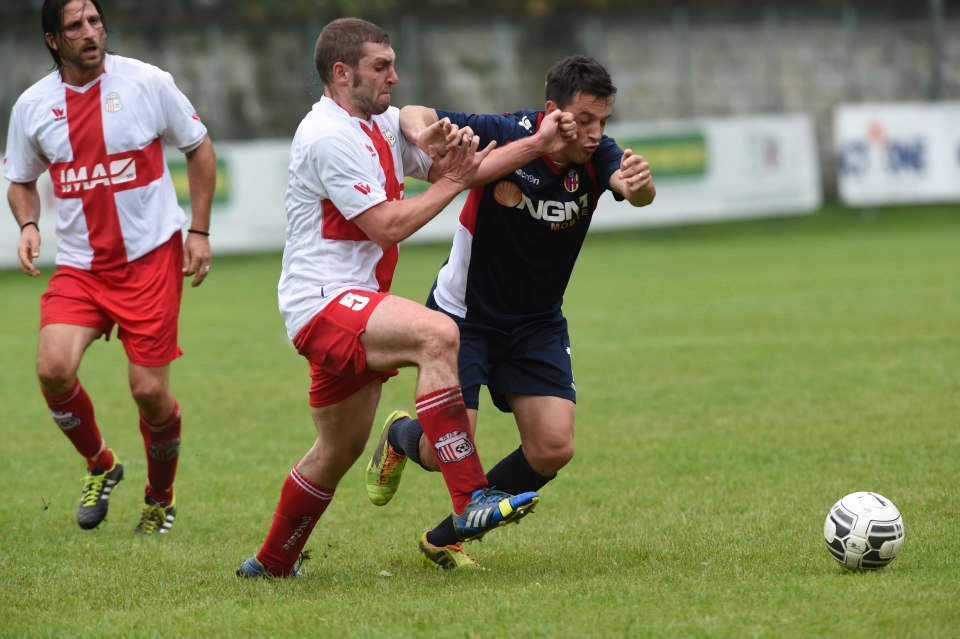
(734, 381)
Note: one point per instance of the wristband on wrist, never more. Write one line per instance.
(26, 224)
(203, 233)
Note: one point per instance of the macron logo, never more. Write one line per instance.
(59, 114)
(363, 188)
(525, 123)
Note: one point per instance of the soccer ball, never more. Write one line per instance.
(863, 531)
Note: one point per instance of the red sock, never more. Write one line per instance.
(162, 444)
(73, 413)
(301, 504)
(443, 417)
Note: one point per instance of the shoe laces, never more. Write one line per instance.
(489, 497)
(390, 461)
(92, 487)
(151, 517)
(458, 549)
(298, 564)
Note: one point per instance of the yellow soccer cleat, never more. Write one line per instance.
(386, 466)
(445, 557)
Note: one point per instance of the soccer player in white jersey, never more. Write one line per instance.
(98, 123)
(345, 216)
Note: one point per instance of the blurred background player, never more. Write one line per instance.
(504, 281)
(345, 216)
(98, 123)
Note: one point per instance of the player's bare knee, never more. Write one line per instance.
(148, 392)
(56, 376)
(550, 457)
(442, 340)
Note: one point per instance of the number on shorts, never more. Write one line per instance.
(354, 302)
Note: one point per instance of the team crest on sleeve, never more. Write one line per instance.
(387, 134)
(112, 102)
(572, 181)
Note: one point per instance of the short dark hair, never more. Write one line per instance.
(342, 41)
(51, 17)
(578, 74)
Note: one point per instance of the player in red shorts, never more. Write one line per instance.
(98, 123)
(345, 216)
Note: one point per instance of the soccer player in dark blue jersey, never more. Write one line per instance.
(511, 260)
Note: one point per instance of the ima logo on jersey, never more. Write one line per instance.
(73, 179)
(560, 215)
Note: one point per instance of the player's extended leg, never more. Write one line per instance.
(401, 332)
(546, 426)
(342, 432)
(160, 426)
(59, 351)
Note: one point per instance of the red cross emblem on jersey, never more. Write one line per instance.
(95, 176)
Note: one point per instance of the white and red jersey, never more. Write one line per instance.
(103, 145)
(340, 166)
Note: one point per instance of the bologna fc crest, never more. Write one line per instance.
(571, 182)
(112, 102)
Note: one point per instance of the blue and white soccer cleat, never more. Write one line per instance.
(490, 508)
(252, 568)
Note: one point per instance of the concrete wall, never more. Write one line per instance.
(251, 80)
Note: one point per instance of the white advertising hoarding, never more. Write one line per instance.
(707, 170)
(704, 170)
(898, 153)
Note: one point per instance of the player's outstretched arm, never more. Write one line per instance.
(422, 126)
(415, 121)
(633, 180)
(393, 221)
(202, 176)
(556, 129)
(25, 203)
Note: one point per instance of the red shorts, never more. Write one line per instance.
(331, 343)
(141, 297)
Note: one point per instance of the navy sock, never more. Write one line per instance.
(512, 474)
(404, 436)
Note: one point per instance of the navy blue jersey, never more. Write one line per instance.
(519, 236)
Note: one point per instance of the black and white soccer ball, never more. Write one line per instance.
(863, 531)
